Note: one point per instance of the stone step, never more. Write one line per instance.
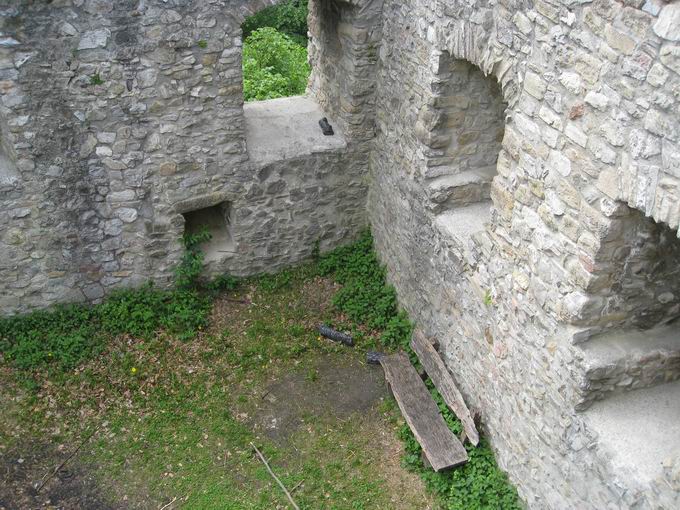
(460, 231)
(621, 361)
(639, 432)
(449, 191)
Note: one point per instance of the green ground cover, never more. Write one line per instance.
(174, 385)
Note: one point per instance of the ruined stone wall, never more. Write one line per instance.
(117, 117)
(518, 292)
(524, 190)
(343, 52)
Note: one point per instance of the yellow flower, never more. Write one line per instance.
(133, 370)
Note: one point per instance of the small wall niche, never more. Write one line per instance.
(217, 220)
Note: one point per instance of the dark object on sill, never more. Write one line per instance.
(373, 357)
(326, 127)
(336, 336)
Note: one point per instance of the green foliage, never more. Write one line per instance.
(224, 282)
(275, 282)
(190, 267)
(96, 80)
(64, 337)
(67, 335)
(488, 298)
(203, 43)
(477, 485)
(364, 296)
(142, 312)
(273, 66)
(289, 17)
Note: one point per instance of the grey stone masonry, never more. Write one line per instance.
(118, 119)
(579, 241)
(518, 162)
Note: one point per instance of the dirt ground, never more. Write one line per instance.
(339, 390)
(342, 389)
(23, 470)
(175, 433)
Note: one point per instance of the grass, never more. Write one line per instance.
(175, 385)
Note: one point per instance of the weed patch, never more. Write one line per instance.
(178, 414)
(65, 336)
(366, 298)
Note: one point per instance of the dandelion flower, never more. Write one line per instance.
(133, 370)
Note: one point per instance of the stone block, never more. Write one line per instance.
(534, 85)
(667, 25)
(618, 40)
(94, 39)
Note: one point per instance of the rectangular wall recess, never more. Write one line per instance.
(216, 220)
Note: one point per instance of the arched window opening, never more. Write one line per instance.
(636, 282)
(462, 128)
(631, 369)
(633, 310)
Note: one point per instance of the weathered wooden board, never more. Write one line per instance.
(441, 447)
(437, 371)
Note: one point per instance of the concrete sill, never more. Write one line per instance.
(287, 128)
(639, 430)
(462, 223)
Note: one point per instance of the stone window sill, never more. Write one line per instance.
(287, 128)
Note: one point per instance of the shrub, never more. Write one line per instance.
(288, 17)
(365, 297)
(64, 336)
(273, 66)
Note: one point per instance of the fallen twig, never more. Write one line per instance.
(283, 487)
(297, 485)
(63, 463)
(166, 506)
(239, 301)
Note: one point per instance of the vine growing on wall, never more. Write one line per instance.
(191, 266)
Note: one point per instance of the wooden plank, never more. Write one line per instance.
(437, 371)
(442, 448)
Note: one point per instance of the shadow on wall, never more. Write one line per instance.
(633, 279)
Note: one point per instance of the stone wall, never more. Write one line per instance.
(119, 116)
(522, 163)
(520, 295)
